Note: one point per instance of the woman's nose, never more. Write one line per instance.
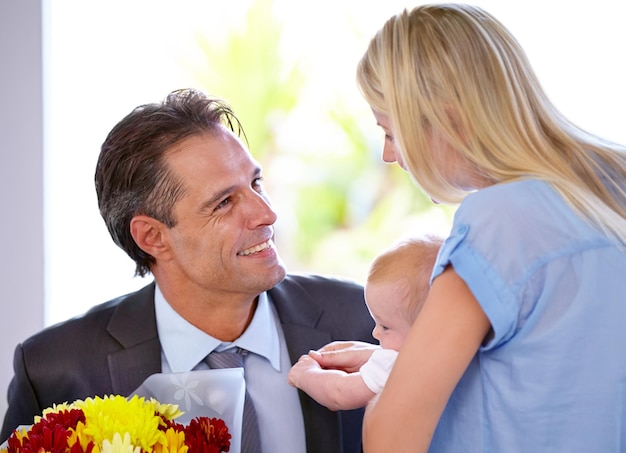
(389, 154)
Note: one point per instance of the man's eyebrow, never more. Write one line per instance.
(227, 191)
(217, 197)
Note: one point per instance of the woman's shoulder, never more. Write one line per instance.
(520, 205)
(514, 195)
(525, 218)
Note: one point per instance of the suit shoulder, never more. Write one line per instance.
(331, 304)
(85, 325)
(334, 293)
(323, 282)
(324, 289)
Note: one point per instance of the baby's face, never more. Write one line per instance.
(389, 311)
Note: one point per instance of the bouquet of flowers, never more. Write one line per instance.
(115, 424)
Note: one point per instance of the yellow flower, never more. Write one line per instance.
(169, 411)
(104, 417)
(119, 445)
(175, 443)
(77, 435)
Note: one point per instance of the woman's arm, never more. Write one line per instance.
(442, 342)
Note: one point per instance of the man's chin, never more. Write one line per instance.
(281, 273)
(272, 277)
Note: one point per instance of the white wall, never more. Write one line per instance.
(21, 180)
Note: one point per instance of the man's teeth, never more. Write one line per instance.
(257, 248)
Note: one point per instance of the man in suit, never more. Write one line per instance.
(182, 196)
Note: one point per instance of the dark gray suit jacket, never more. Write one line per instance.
(114, 347)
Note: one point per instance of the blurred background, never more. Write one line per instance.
(288, 69)
(71, 69)
(289, 73)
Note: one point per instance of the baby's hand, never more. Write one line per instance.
(305, 364)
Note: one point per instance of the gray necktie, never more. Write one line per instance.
(250, 437)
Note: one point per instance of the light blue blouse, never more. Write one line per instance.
(553, 376)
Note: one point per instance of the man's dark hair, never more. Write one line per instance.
(131, 175)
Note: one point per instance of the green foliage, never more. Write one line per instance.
(248, 71)
(341, 205)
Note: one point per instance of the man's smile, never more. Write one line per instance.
(257, 248)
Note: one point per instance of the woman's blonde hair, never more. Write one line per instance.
(456, 70)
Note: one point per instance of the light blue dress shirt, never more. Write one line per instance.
(553, 377)
(277, 404)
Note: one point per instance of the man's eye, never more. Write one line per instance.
(385, 328)
(257, 183)
(222, 204)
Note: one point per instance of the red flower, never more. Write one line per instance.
(67, 419)
(49, 434)
(52, 439)
(203, 429)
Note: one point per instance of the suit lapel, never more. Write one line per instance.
(299, 315)
(133, 325)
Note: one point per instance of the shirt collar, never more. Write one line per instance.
(184, 345)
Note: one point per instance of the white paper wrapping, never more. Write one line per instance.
(216, 393)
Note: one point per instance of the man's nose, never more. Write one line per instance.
(262, 212)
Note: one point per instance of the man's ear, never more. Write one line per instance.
(149, 235)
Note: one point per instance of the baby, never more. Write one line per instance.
(396, 287)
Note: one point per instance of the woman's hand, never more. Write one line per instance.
(347, 356)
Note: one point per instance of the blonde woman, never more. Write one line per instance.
(519, 346)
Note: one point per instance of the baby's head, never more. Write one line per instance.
(397, 285)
